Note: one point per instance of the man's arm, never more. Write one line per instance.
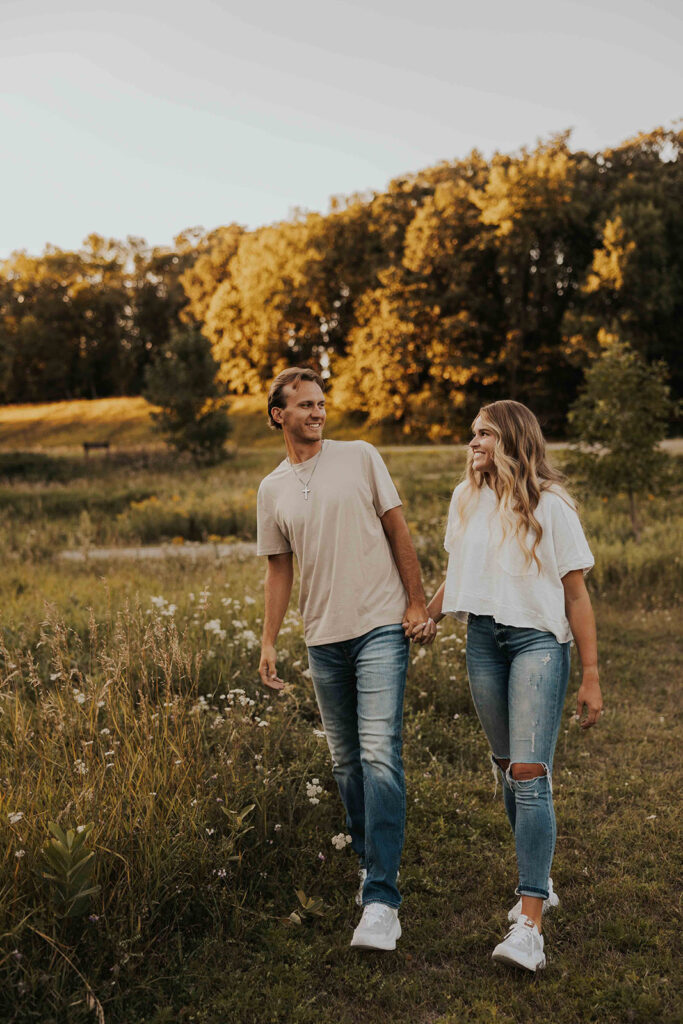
(278, 589)
(398, 535)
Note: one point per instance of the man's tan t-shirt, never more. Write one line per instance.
(349, 580)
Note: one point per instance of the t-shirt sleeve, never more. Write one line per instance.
(571, 547)
(384, 493)
(270, 540)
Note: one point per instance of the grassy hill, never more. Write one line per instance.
(127, 423)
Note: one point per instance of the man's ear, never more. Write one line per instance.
(276, 413)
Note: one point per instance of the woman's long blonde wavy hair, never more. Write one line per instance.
(522, 474)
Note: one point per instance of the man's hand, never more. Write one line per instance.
(267, 670)
(417, 624)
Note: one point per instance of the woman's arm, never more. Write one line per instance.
(579, 613)
(436, 604)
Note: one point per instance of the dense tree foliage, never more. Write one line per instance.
(620, 417)
(181, 381)
(466, 282)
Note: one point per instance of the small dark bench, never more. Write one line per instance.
(90, 446)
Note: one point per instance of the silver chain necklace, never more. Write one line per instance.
(306, 490)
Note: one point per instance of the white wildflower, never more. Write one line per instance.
(249, 600)
(15, 817)
(79, 697)
(105, 732)
(340, 841)
(80, 767)
(19, 854)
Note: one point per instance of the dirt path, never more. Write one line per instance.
(183, 551)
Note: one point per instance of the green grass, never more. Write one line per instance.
(191, 920)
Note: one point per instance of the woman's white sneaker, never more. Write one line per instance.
(379, 928)
(522, 946)
(552, 901)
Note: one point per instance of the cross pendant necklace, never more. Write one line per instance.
(306, 489)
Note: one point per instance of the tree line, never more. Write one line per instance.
(468, 281)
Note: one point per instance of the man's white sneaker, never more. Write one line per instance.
(522, 946)
(552, 901)
(379, 928)
(362, 875)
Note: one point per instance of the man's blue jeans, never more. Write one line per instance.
(518, 678)
(359, 685)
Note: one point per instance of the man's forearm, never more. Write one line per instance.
(278, 589)
(405, 556)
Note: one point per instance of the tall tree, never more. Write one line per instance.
(620, 417)
(634, 284)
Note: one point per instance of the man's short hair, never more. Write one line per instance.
(293, 377)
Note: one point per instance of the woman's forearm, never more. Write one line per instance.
(582, 624)
(436, 604)
(579, 612)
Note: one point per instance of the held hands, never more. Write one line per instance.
(418, 626)
(589, 698)
(267, 670)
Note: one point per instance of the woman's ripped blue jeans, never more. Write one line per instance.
(518, 679)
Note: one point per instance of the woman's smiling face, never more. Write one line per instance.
(482, 445)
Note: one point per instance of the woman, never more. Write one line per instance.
(517, 558)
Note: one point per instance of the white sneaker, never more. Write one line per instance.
(552, 901)
(362, 875)
(379, 928)
(522, 946)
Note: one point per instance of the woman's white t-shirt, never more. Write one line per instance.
(489, 575)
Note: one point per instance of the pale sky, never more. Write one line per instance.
(145, 117)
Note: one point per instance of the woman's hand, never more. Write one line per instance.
(589, 698)
(423, 633)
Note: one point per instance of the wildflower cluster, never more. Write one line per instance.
(313, 791)
(163, 607)
(213, 628)
(340, 841)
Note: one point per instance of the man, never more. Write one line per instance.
(334, 505)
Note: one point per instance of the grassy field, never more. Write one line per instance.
(129, 701)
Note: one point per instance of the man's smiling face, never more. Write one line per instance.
(303, 417)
